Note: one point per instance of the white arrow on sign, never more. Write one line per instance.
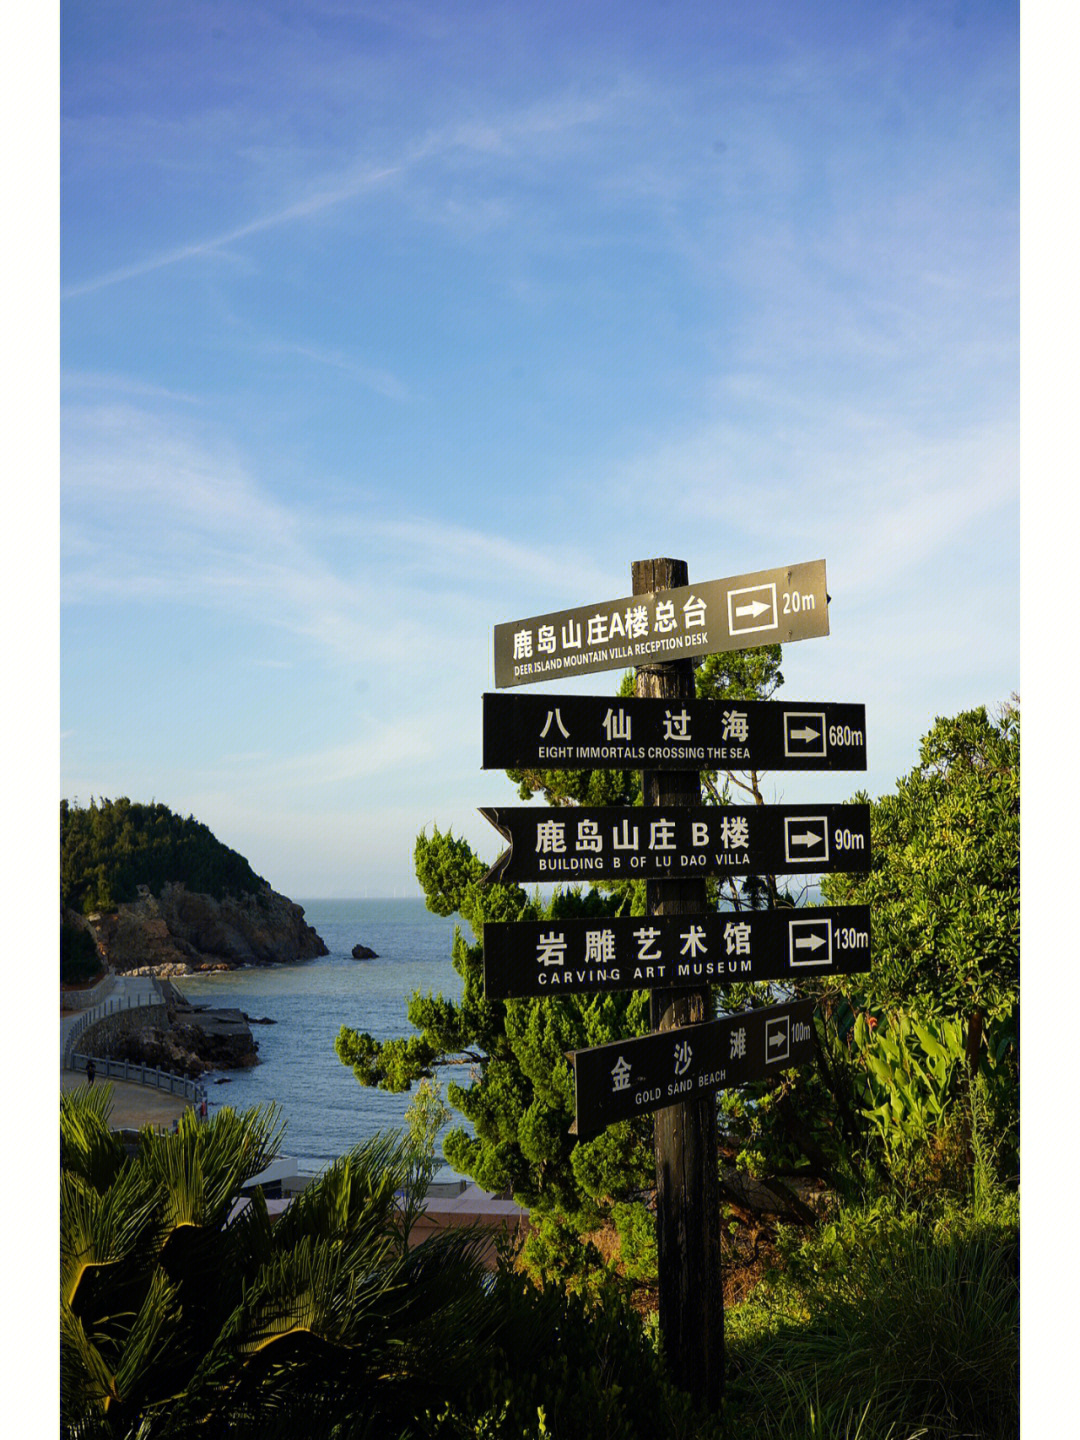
(777, 1037)
(805, 734)
(758, 607)
(810, 942)
(808, 837)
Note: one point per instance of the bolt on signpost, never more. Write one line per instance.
(680, 948)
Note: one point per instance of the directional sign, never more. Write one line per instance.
(593, 732)
(684, 841)
(561, 957)
(766, 608)
(632, 1077)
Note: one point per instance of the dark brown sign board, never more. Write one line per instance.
(562, 957)
(593, 732)
(625, 842)
(633, 1077)
(767, 607)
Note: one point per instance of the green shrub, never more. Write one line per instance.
(933, 1126)
(572, 1366)
(899, 1319)
(79, 958)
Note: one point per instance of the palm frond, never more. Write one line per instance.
(87, 1145)
(101, 1228)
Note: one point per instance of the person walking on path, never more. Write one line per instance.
(91, 1071)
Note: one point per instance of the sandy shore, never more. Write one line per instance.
(133, 1105)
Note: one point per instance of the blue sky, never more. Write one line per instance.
(384, 323)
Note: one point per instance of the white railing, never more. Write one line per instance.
(148, 996)
(139, 1074)
(109, 1007)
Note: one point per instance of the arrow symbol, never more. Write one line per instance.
(809, 942)
(806, 734)
(777, 1037)
(756, 608)
(808, 837)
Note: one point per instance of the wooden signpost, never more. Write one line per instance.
(679, 948)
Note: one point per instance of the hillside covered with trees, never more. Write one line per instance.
(110, 847)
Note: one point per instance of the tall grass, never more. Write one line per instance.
(886, 1326)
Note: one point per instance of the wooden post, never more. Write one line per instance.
(685, 1139)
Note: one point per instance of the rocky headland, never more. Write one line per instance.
(181, 932)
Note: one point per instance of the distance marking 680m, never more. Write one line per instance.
(606, 732)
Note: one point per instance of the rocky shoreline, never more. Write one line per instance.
(181, 1038)
(182, 932)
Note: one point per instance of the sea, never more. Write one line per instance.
(325, 1109)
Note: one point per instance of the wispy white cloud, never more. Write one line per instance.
(892, 500)
(156, 510)
(542, 134)
(327, 197)
(75, 382)
(382, 382)
(379, 748)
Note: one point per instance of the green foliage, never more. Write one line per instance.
(740, 674)
(636, 1227)
(573, 1366)
(887, 1322)
(110, 847)
(179, 1315)
(933, 1124)
(931, 1098)
(945, 878)
(79, 958)
(424, 1118)
(519, 1098)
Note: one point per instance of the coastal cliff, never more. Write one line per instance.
(181, 931)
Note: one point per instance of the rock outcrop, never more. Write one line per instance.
(181, 931)
(363, 952)
(185, 1041)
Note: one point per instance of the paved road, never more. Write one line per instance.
(133, 1105)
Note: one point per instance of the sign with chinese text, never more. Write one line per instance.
(765, 608)
(560, 957)
(633, 1077)
(591, 732)
(681, 842)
